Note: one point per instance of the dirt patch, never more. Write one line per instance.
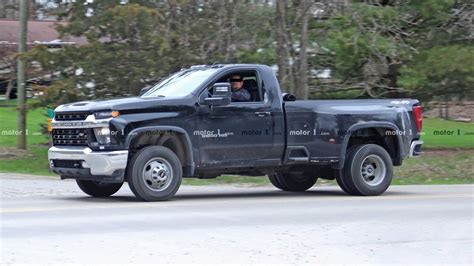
(444, 152)
(12, 153)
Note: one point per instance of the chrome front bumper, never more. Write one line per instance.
(415, 148)
(97, 163)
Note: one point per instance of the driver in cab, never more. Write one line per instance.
(239, 93)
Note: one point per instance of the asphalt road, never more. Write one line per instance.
(51, 221)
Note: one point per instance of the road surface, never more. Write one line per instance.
(51, 221)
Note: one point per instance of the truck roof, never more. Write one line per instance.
(216, 65)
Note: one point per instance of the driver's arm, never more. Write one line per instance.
(241, 95)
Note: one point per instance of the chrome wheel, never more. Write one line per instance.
(373, 170)
(157, 174)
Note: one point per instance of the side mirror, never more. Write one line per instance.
(221, 95)
(145, 89)
(288, 97)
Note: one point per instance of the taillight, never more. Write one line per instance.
(417, 110)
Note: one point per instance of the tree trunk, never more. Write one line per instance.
(302, 87)
(21, 99)
(231, 32)
(280, 38)
(9, 91)
(446, 106)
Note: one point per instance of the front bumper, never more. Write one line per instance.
(87, 164)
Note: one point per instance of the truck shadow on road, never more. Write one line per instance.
(238, 195)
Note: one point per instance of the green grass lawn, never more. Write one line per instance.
(440, 133)
(434, 168)
(437, 167)
(8, 126)
(36, 160)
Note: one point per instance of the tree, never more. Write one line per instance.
(443, 65)
(295, 24)
(439, 71)
(373, 48)
(136, 44)
(377, 48)
(291, 28)
(126, 49)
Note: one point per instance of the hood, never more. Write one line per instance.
(120, 104)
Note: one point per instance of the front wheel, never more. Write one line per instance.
(368, 170)
(154, 174)
(98, 189)
(292, 181)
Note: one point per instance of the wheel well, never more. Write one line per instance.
(378, 135)
(174, 141)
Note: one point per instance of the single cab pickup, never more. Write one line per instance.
(188, 126)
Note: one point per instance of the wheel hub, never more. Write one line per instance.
(373, 170)
(370, 169)
(157, 174)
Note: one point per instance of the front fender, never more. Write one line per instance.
(171, 129)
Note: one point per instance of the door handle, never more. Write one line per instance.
(263, 114)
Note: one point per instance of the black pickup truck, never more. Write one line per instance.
(188, 126)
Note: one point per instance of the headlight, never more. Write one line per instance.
(102, 134)
(106, 114)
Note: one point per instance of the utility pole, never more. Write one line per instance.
(21, 100)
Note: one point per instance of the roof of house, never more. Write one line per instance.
(38, 32)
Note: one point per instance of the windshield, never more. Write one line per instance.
(180, 84)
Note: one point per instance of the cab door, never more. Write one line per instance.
(237, 134)
(241, 134)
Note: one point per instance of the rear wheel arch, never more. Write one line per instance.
(383, 134)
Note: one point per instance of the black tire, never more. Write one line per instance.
(368, 170)
(274, 180)
(340, 181)
(147, 167)
(292, 182)
(98, 189)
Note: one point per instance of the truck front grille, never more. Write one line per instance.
(71, 116)
(67, 163)
(70, 137)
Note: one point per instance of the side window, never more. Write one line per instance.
(247, 80)
(251, 85)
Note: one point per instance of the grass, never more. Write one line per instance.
(445, 167)
(35, 161)
(8, 126)
(442, 134)
(437, 167)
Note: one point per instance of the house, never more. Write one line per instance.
(39, 32)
